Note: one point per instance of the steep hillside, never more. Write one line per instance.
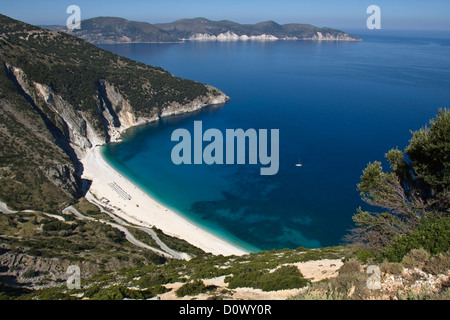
(61, 96)
(117, 30)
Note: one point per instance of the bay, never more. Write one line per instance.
(338, 106)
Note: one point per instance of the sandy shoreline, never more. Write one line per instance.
(128, 201)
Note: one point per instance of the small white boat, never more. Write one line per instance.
(299, 164)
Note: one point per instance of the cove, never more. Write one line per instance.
(338, 106)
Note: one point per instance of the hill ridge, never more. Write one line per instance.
(114, 30)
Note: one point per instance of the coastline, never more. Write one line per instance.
(128, 201)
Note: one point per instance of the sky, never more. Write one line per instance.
(343, 14)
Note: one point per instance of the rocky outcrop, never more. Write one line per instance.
(116, 113)
(212, 98)
(22, 269)
(61, 97)
(72, 131)
(333, 37)
(76, 131)
(231, 36)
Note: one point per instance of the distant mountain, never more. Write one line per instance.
(105, 30)
(61, 96)
(108, 30)
(204, 29)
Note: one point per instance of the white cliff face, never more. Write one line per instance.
(122, 109)
(115, 111)
(231, 36)
(80, 135)
(76, 132)
(330, 37)
(122, 106)
(199, 103)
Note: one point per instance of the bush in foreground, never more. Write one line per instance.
(432, 235)
(191, 289)
(286, 277)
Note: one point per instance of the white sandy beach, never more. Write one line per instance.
(133, 204)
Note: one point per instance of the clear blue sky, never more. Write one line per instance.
(350, 14)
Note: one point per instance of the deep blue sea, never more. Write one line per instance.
(338, 106)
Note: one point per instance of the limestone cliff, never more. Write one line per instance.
(115, 111)
(112, 30)
(60, 97)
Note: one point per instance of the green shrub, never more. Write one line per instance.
(391, 268)
(84, 206)
(152, 279)
(350, 285)
(57, 226)
(177, 244)
(207, 271)
(92, 291)
(191, 289)
(30, 273)
(346, 286)
(247, 276)
(116, 235)
(439, 264)
(53, 294)
(366, 255)
(286, 277)
(432, 234)
(416, 258)
(120, 292)
(352, 266)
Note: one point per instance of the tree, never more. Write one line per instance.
(416, 187)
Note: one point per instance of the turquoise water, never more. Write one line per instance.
(338, 106)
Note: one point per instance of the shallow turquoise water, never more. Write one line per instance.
(338, 106)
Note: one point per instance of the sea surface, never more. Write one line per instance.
(338, 106)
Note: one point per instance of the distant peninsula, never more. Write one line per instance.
(113, 30)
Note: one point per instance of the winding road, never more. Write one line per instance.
(4, 208)
(121, 226)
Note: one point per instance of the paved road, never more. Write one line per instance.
(4, 208)
(163, 246)
(149, 231)
(120, 225)
(127, 233)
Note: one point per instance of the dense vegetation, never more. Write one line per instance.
(415, 196)
(100, 245)
(192, 289)
(112, 268)
(39, 168)
(286, 277)
(74, 69)
(432, 235)
(29, 157)
(412, 231)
